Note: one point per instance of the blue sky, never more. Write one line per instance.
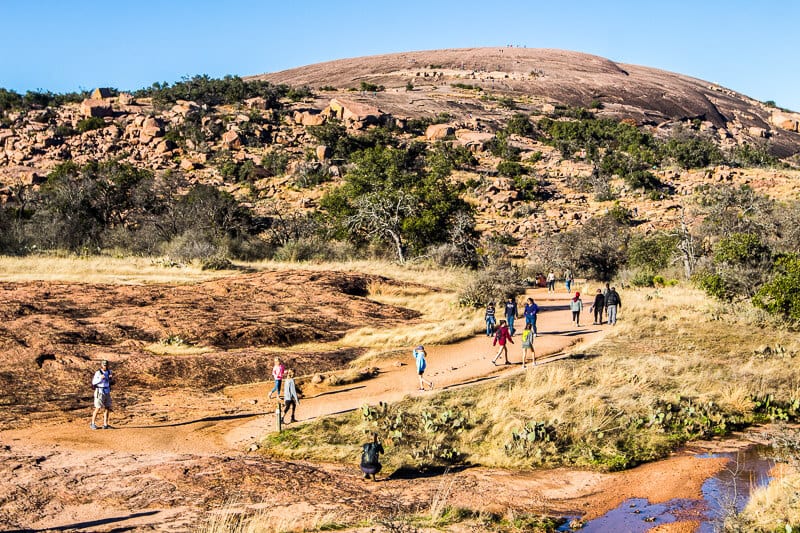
(63, 45)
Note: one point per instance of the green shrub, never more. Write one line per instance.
(494, 284)
(90, 123)
(520, 124)
(510, 169)
(690, 150)
(371, 87)
(655, 252)
(781, 294)
(644, 278)
(275, 162)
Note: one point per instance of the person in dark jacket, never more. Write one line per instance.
(511, 313)
(613, 303)
(598, 306)
(370, 460)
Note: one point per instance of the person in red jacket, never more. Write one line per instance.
(502, 337)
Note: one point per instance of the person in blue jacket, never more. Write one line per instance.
(531, 310)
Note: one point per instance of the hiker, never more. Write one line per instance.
(598, 306)
(101, 382)
(531, 310)
(568, 279)
(511, 313)
(490, 319)
(502, 337)
(419, 357)
(277, 374)
(551, 281)
(370, 461)
(606, 290)
(527, 344)
(576, 305)
(290, 399)
(613, 303)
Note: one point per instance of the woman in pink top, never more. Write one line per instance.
(502, 337)
(277, 374)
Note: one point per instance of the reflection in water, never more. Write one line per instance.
(726, 491)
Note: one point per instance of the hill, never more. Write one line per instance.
(539, 77)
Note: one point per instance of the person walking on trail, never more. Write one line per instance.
(598, 306)
(527, 344)
(490, 319)
(370, 457)
(551, 281)
(102, 381)
(613, 303)
(568, 279)
(278, 370)
(576, 305)
(530, 312)
(290, 399)
(419, 357)
(511, 313)
(502, 337)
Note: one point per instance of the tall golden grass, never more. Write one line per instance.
(101, 269)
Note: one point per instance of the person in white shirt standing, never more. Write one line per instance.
(102, 394)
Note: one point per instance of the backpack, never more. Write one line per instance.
(369, 455)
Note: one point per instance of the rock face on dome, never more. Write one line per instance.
(432, 82)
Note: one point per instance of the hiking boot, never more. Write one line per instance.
(107, 427)
(92, 426)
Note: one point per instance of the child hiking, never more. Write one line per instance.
(490, 319)
(576, 306)
(419, 357)
(527, 344)
(277, 374)
(502, 337)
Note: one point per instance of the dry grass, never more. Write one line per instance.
(100, 269)
(773, 507)
(233, 518)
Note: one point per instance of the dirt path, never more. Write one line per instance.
(168, 475)
(222, 425)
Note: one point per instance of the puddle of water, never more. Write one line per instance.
(728, 489)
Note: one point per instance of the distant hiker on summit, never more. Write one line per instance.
(101, 382)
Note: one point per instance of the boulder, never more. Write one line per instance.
(755, 131)
(231, 139)
(475, 141)
(436, 132)
(786, 120)
(164, 147)
(96, 108)
(151, 128)
(100, 93)
(308, 118)
(323, 152)
(354, 114)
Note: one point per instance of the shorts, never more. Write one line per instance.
(102, 399)
(371, 469)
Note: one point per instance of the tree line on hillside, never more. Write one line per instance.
(395, 201)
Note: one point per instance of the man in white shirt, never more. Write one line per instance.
(102, 394)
